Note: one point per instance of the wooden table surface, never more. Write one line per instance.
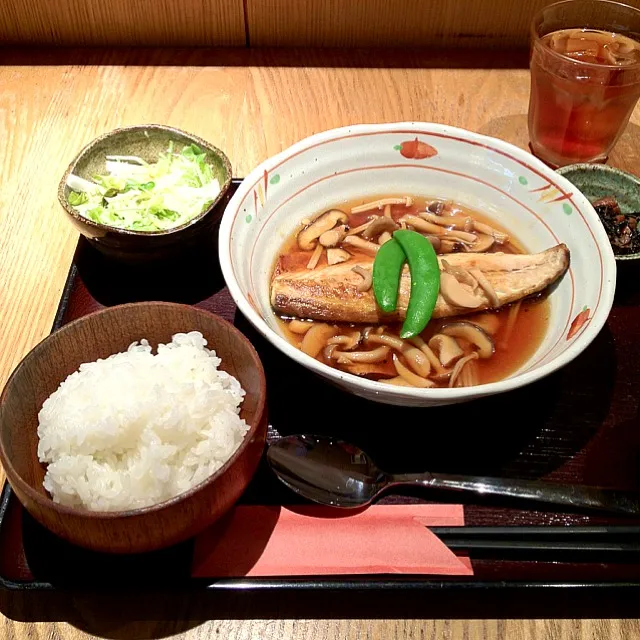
(252, 104)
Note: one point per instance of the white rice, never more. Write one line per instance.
(136, 428)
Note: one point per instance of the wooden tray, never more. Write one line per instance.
(578, 425)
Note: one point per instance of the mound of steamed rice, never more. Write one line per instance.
(136, 429)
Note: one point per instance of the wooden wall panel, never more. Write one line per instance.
(392, 23)
(122, 22)
(317, 23)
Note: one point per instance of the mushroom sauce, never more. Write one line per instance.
(464, 350)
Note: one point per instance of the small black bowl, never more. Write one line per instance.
(597, 181)
(146, 142)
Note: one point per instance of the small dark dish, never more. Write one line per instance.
(598, 182)
(97, 336)
(147, 142)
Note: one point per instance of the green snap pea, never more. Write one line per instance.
(425, 280)
(387, 269)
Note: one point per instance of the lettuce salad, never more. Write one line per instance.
(143, 196)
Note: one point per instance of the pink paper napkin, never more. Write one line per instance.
(313, 540)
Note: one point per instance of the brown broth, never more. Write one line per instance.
(510, 354)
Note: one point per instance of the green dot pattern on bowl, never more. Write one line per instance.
(523, 181)
(275, 178)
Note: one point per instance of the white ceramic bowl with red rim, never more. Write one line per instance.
(535, 203)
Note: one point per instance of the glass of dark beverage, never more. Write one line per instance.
(585, 79)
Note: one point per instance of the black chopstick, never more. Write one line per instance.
(547, 546)
(539, 532)
(588, 542)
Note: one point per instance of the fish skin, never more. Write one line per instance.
(330, 293)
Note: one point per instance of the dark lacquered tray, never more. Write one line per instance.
(578, 425)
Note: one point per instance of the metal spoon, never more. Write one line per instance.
(335, 473)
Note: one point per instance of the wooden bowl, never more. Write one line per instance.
(98, 335)
(147, 142)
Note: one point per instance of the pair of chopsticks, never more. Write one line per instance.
(581, 542)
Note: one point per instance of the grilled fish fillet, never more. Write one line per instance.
(330, 293)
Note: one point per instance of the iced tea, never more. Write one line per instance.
(585, 83)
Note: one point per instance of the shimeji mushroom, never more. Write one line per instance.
(473, 334)
(378, 226)
(435, 241)
(309, 235)
(375, 355)
(449, 246)
(483, 243)
(457, 370)
(462, 223)
(446, 348)
(365, 246)
(424, 226)
(454, 293)
(367, 278)
(407, 201)
(300, 327)
(499, 236)
(371, 370)
(385, 236)
(336, 256)
(428, 352)
(436, 207)
(360, 228)
(460, 274)
(334, 236)
(486, 287)
(315, 339)
(468, 224)
(347, 342)
(415, 358)
(409, 376)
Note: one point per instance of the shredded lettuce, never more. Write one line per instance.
(142, 196)
(76, 199)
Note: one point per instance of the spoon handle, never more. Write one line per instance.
(577, 496)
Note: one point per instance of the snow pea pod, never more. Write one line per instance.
(425, 280)
(387, 269)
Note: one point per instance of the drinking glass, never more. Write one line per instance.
(585, 79)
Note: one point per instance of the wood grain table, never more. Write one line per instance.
(253, 104)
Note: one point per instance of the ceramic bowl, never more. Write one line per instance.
(596, 181)
(147, 142)
(536, 204)
(97, 336)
